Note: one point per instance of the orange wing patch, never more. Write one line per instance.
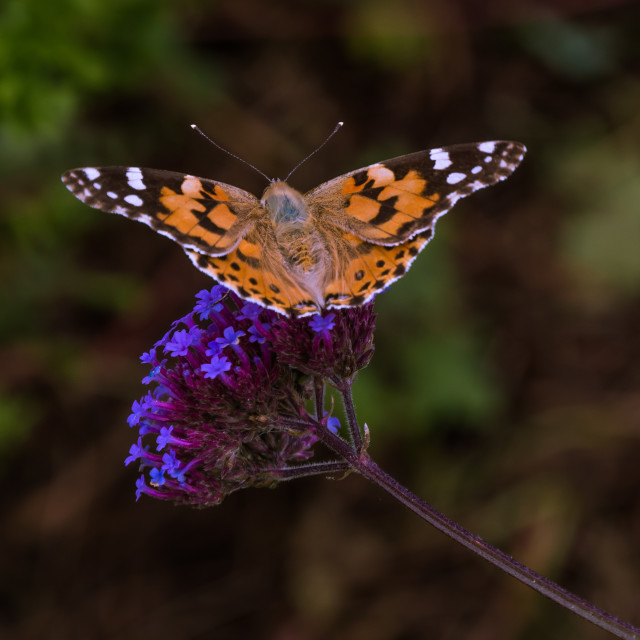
(249, 272)
(375, 176)
(372, 269)
(378, 207)
(408, 193)
(199, 216)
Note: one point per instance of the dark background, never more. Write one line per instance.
(505, 388)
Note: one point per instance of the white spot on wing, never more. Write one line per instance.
(475, 170)
(97, 186)
(91, 173)
(487, 147)
(440, 159)
(454, 178)
(134, 178)
(112, 195)
(133, 199)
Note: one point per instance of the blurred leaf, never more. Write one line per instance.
(391, 34)
(53, 56)
(570, 49)
(18, 416)
(601, 238)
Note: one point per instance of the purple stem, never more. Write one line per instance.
(352, 420)
(362, 463)
(319, 397)
(301, 471)
(509, 565)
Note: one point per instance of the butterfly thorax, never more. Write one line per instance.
(285, 205)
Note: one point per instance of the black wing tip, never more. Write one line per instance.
(498, 144)
(512, 145)
(70, 180)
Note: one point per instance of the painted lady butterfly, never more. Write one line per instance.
(336, 246)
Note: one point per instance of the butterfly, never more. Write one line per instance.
(336, 246)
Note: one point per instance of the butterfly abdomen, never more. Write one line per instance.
(302, 250)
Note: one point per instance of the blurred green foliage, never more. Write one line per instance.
(55, 55)
(17, 417)
(576, 52)
(601, 241)
(390, 35)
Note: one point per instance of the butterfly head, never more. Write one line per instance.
(285, 205)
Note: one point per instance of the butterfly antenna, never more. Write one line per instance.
(233, 155)
(333, 133)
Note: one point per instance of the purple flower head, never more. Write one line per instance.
(141, 485)
(136, 451)
(157, 477)
(229, 405)
(335, 350)
(148, 357)
(229, 337)
(173, 466)
(209, 302)
(333, 424)
(139, 410)
(218, 365)
(164, 438)
(154, 374)
(214, 348)
(257, 334)
(322, 324)
(181, 341)
(250, 311)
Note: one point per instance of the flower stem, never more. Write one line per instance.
(318, 387)
(363, 464)
(350, 412)
(314, 469)
(551, 590)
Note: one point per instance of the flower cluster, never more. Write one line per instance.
(232, 383)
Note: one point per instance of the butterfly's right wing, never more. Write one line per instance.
(389, 202)
(204, 215)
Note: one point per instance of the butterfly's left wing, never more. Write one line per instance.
(204, 215)
(224, 230)
(389, 202)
